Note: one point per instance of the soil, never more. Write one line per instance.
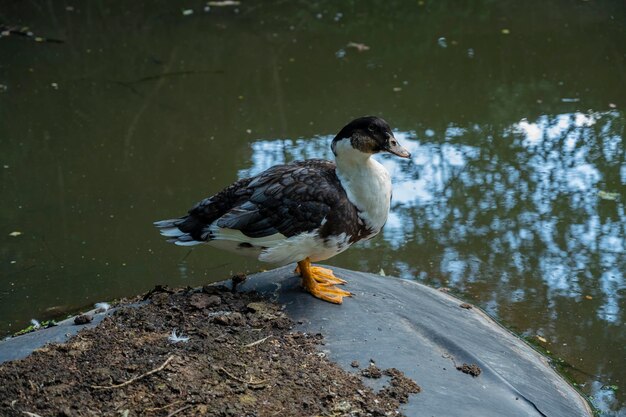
(473, 369)
(189, 353)
(372, 371)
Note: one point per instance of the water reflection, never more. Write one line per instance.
(520, 210)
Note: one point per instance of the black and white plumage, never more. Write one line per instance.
(311, 209)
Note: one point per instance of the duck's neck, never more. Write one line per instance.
(367, 184)
(351, 162)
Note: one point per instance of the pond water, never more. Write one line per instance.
(513, 112)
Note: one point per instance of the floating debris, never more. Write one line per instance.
(187, 12)
(608, 196)
(470, 53)
(338, 17)
(174, 338)
(505, 31)
(570, 100)
(382, 273)
(442, 42)
(361, 47)
(35, 323)
(15, 234)
(54, 85)
(542, 339)
(224, 3)
(340, 53)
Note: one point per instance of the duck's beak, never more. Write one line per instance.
(395, 148)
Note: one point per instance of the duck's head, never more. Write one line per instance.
(366, 136)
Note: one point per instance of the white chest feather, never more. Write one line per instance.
(368, 186)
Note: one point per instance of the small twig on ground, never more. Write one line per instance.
(130, 381)
(251, 382)
(258, 342)
(180, 409)
(29, 414)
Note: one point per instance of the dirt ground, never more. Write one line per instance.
(241, 358)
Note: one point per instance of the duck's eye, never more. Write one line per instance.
(371, 128)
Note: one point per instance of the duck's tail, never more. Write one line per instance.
(183, 231)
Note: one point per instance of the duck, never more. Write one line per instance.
(301, 212)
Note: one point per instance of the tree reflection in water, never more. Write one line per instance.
(526, 218)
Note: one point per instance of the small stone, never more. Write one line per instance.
(202, 301)
(82, 319)
(237, 319)
(257, 307)
(214, 301)
(355, 364)
(232, 319)
(465, 306)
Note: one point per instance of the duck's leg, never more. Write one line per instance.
(321, 275)
(318, 283)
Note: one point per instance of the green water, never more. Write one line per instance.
(513, 111)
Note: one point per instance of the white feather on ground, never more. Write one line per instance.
(174, 338)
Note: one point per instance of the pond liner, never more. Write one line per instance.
(396, 323)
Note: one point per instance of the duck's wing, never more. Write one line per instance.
(288, 200)
(283, 201)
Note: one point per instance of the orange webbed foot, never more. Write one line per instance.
(320, 282)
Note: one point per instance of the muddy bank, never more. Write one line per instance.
(187, 353)
(242, 354)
